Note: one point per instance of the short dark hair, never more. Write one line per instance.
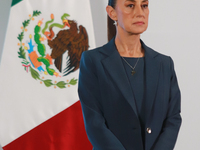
(110, 27)
(112, 3)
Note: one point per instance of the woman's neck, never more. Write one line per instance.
(129, 45)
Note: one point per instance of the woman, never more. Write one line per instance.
(129, 93)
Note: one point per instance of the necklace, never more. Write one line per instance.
(133, 71)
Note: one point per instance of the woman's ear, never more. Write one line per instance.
(111, 13)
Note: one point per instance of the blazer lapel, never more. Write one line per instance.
(152, 71)
(115, 68)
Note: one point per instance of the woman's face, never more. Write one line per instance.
(132, 15)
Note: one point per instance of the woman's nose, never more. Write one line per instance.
(139, 11)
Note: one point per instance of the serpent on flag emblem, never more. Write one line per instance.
(42, 54)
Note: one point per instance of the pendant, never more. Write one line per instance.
(133, 72)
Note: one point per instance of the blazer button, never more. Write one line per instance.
(149, 130)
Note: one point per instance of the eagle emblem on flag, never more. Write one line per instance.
(53, 50)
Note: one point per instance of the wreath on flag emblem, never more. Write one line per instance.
(44, 66)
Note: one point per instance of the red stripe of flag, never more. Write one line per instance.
(64, 131)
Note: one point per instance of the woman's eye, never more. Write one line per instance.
(130, 5)
(144, 6)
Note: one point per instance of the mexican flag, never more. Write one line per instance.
(39, 103)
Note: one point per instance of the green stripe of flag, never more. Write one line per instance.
(14, 2)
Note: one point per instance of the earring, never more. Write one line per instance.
(115, 23)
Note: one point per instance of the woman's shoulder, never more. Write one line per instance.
(92, 52)
(151, 52)
(161, 58)
(96, 53)
(165, 60)
(158, 55)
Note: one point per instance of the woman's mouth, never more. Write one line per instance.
(139, 23)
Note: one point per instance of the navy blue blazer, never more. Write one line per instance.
(109, 109)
